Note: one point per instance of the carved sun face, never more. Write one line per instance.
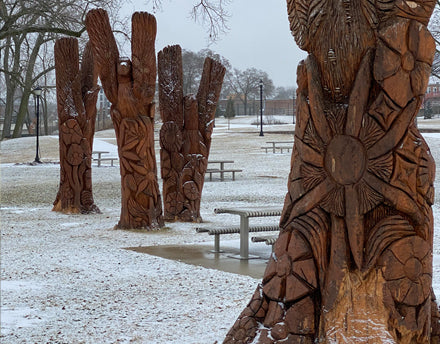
(347, 161)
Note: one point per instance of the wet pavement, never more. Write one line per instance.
(201, 255)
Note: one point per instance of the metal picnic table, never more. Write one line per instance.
(245, 214)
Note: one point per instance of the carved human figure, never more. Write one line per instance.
(185, 136)
(130, 86)
(77, 92)
(353, 261)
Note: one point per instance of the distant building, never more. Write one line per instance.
(271, 107)
(103, 119)
(432, 98)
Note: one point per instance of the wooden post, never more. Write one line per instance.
(185, 136)
(130, 85)
(77, 92)
(353, 262)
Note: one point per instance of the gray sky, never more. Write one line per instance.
(259, 35)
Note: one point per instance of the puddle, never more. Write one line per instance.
(202, 256)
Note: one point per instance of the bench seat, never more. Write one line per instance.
(214, 170)
(233, 230)
(267, 148)
(267, 239)
(99, 160)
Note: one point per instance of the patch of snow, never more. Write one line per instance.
(69, 278)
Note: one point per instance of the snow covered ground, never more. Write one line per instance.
(69, 278)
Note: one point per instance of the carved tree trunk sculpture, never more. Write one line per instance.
(353, 261)
(130, 86)
(77, 93)
(185, 136)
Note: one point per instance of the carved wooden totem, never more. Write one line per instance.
(77, 93)
(130, 86)
(185, 136)
(353, 261)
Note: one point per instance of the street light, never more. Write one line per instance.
(294, 106)
(37, 93)
(261, 108)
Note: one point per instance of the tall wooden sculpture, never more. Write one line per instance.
(130, 86)
(353, 262)
(77, 93)
(185, 136)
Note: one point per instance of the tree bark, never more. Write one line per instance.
(130, 86)
(185, 136)
(77, 92)
(27, 88)
(353, 261)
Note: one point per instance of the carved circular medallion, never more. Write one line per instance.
(413, 269)
(345, 159)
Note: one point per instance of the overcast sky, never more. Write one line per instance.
(259, 35)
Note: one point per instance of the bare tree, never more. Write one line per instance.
(25, 28)
(245, 84)
(211, 13)
(192, 66)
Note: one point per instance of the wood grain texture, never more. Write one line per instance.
(185, 136)
(130, 85)
(77, 93)
(353, 262)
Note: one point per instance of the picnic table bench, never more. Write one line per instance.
(100, 159)
(276, 145)
(267, 239)
(245, 214)
(232, 230)
(222, 169)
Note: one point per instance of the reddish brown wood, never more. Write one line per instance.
(185, 136)
(77, 93)
(353, 262)
(130, 86)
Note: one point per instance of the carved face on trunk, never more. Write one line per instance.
(124, 70)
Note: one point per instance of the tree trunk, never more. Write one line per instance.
(76, 100)
(27, 88)
(130, 86)
(185, 136)
(353, 261)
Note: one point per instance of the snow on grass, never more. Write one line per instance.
(69, 278)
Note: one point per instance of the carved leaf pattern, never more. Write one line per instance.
(76, 125)
(143, 57)
(383, 234)
(368, 197)
(185, 135)
(105, 51)
(305, 18)
(334, 201)
(382, 166)
(312, 176)
(370, 190)
(371, 132)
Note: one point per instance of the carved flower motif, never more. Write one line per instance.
(75, 155)
(191, 190)
(407, 267)
(403, 62)
(174, 203)
(346, 169)
(71, 132)
(135, 133)
(171, 137)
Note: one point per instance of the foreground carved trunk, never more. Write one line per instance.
(185, 136)
(77, 93)
(130, 86)
(353, 262)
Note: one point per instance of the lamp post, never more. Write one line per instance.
(37, 93)
(261, 108)
(294, 106)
